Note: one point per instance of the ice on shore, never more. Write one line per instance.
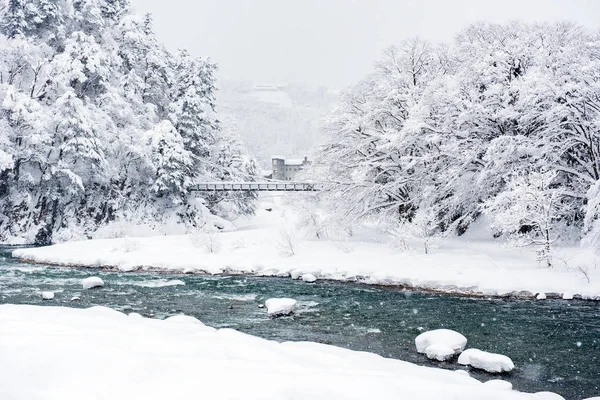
(92, 282)
(490, 362)
(279, 307)
(444, 343)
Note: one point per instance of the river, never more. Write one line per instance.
(555, 344)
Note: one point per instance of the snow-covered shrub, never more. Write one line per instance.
(528, 211)
(287, 242)
(421, 229)
(207, 238)
(130, 244)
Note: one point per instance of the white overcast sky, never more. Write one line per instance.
(329, 43)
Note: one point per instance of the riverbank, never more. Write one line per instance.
(269, 244)
(66, 352)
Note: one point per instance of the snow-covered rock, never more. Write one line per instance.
(278, 307)
(490, 362)
(552, 396)
(75, 298)
(567, 296)
(47, 295)
(441, 338)
(92, 282)
(439, 352)
(541, 296)
(309, 278)
(499, 384)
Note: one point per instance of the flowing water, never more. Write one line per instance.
(555, 344)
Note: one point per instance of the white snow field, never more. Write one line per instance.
(490, 362)
(92, 282)
(472, 263)
(55, 353)
(278, 307)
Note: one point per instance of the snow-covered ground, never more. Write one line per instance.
(268, 244)
(61, 353)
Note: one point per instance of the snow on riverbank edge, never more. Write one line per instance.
(59, 353)
(459, 267)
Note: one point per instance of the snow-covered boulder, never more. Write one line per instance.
(278, 307)
(309, 278)
(444, 341)
(439, 352)
(92, 282)
(490, 362)
(75, 298)
(553, 396)
(499, 384)
(567, 296)
(47, 295)
(541, 296)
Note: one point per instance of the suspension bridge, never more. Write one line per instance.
(256, 187)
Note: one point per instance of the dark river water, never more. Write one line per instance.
(555, 344)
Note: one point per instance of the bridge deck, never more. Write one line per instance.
(255, 186)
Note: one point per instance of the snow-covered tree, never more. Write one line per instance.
(446, 128)
(98, 122)
(529, 209)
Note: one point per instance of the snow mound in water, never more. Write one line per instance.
(489, 362)
(92, 282)
(441, 337)
(309, 278)
(439, 352)
(277, 307)
(499, 384)
(541, 296)
(47, 295)
(554, 396)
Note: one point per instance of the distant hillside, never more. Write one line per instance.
(274, 119)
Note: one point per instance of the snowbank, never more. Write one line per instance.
(92, 282)
(466, 264)
(279, 307)
(553, 396)
(499, 383)
(55, 353)
(490, 362)
(443, 341)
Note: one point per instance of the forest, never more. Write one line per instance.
(100, 122)
(501, 126)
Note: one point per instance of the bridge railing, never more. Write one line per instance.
(255, 186)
